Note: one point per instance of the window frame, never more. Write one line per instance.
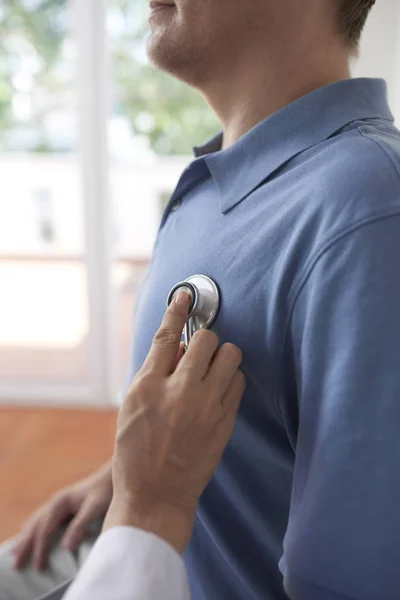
(92, 84)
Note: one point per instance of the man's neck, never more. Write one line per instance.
(252, 90)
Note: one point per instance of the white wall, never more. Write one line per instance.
(380, 49)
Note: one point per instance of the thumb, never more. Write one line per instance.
(78, 527)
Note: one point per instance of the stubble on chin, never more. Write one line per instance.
(175, 53)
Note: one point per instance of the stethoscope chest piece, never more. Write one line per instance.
(204, 306)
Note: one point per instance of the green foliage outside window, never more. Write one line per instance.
(169, 114)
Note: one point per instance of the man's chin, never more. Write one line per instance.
(157, 50)
(180, 58)
(165, 56)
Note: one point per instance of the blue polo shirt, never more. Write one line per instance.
(299, 224)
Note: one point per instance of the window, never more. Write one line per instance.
(44, 308)
(58, 340)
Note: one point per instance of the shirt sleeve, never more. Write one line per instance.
(130, 564)
(343, 536)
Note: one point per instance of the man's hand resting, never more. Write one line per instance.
(82, 502)
(173, 429)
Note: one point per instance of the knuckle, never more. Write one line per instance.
(206, 336)
(142, 387)
(176, 310)
(231, 353)
(188, 375)
(31, 523)
(120, 437)
(58, 498)
(167, 337)
(181, 385)
(142, 381)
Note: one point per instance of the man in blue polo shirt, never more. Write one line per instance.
(295, 212)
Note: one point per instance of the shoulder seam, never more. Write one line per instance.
(309, 268)
(364, 134)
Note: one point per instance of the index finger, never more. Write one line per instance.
(162, 355)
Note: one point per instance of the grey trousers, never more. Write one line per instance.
(50, 584)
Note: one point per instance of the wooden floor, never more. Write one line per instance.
(43, 450)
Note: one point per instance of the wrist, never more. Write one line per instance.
(171, 524)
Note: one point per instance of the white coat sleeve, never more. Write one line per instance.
(130, 564)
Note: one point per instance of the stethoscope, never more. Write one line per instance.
(204, 305)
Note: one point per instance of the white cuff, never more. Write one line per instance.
(130, 564)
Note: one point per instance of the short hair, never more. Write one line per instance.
(353, 15)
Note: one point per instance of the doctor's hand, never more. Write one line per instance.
(173, 429)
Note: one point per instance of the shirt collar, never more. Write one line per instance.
(306, 122)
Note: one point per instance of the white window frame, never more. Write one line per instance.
(100, 387)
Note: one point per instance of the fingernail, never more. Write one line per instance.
(183, 298)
